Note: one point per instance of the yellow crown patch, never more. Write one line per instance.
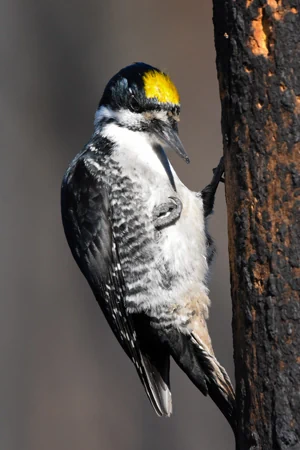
(159, 85)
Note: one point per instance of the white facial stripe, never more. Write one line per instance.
(123, 116)
(128, 118)
(158, 115)
(102, 113)
(123, 137)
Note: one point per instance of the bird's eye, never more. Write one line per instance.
(133, 103)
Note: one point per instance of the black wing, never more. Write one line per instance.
(86, 218)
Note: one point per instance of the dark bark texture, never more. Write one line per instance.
(258, 63)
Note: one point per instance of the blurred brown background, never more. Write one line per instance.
(65, 382)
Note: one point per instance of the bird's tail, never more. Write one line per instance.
(219, 385)
(155, 378)
(153, 366)
(197, 360)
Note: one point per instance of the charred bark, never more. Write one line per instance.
(258, 64)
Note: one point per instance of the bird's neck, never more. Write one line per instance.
(135, 151)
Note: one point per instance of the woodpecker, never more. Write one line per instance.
(140, 238)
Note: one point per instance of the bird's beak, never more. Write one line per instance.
(169, 137)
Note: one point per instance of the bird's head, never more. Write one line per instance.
(143, 99)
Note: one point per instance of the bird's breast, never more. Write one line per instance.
(183, 244)
(159, 267)
(173, 261)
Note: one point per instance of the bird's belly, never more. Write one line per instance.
(178, 266)
(183, 245)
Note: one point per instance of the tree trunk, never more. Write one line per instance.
(258, 63)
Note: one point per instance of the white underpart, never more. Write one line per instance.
(182, 246)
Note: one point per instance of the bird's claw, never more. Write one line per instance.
(219, 171)
(222, 179)
(209, 192)
(167, 213)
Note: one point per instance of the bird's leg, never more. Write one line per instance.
(209, 192)
(167, 213)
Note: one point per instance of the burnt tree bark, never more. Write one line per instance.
(258, 64)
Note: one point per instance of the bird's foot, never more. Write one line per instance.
(219, 171)
(167, 213)
(209, 192)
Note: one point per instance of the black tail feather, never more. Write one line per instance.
(203, 369)
(156, 366)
